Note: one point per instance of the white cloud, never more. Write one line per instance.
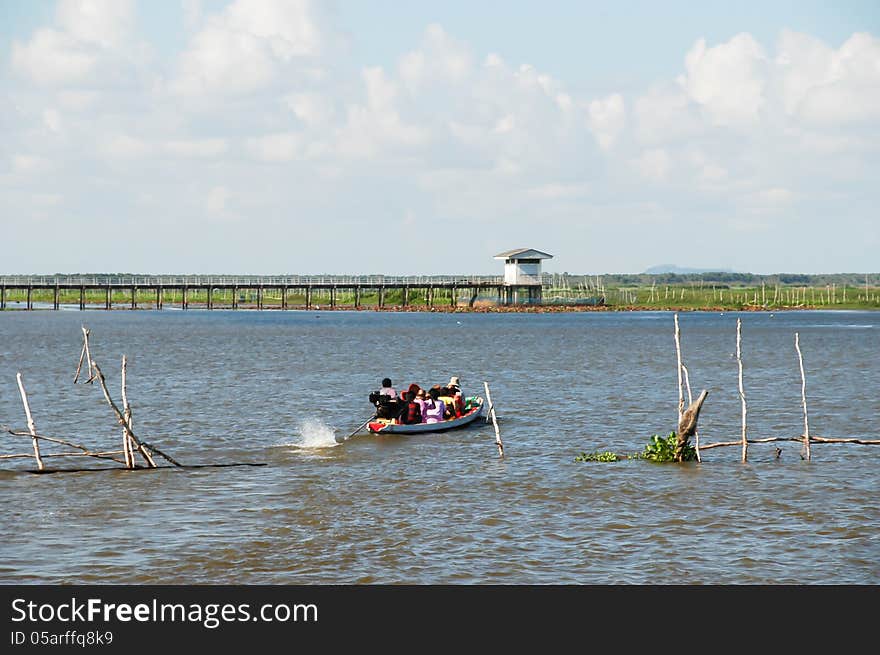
(727, 80)
(440, 59)
(105, 23)
(123, 146)
(653, 164)
(840, 86)
(196, 147)
(88, 34)
(313, 109)
(279, 147)
(607, 118)
(245, 47)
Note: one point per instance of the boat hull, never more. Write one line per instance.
(379, 427)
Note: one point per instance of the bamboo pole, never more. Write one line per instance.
(126, 410)
(491, 414)
(742, 393)
(687, 383)
(797, 346)
(678, 356)
(30, 422)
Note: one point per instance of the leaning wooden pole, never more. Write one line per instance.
(88, 356)
(126, 413)
(119, 417)
(688, 425)
(687, 383)
(797, 346)
(30, 421)
(678, 356)
(498, 441)
(742, 393)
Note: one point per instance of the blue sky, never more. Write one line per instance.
(290, 136)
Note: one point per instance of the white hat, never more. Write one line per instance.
(453, 381)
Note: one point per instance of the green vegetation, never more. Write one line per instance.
(658, 449)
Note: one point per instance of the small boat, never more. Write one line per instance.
(384, 426)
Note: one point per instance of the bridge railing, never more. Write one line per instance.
(230, 280)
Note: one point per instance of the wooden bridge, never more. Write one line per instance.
(252, 292)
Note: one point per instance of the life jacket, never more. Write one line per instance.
(412, 413)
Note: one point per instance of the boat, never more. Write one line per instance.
(385, 426)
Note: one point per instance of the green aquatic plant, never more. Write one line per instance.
(658, 449)
(606, 456)
(662, 449)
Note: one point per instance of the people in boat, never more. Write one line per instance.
(451, 395)
(421, 396)
(412, 411)
(435, 409)
(388, 389)
(387, 403)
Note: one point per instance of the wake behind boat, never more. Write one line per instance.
(391, 426)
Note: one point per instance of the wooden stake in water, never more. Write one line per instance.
(678, 356)
(494, 420)
(687, 383)
(30, 422)
(119, 417)
(742, 393)
(126, 413)
(797, 346)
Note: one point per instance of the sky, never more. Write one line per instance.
(285, 137)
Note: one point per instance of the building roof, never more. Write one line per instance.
(523, 253)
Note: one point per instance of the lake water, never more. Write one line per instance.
(285, 388)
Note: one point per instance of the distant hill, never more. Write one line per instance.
(678, 270)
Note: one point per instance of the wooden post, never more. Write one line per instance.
(430, 299)
(85, 353)
(82, 297)
(381, 297)
(678, 356)
(211, 297)
(108, 298)
(309, 297)
(183, 301)
(134, 297)
(284, 297)
(687, 383)
(797, 346)
(357, 297)
(742, 393)
(30, 421)
(491, 414)
(332, 297)
(688, 425)
(234, 296)
(29, 303)
(126, 413)
(260, 297)
(121, 419)
(55, 298)
(159, 297)
(2, 296)
(453, 297)
(405, 299)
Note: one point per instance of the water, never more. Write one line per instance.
(286, 388)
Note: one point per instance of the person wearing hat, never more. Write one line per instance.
(453, 398)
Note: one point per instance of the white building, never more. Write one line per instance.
(522, 268)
